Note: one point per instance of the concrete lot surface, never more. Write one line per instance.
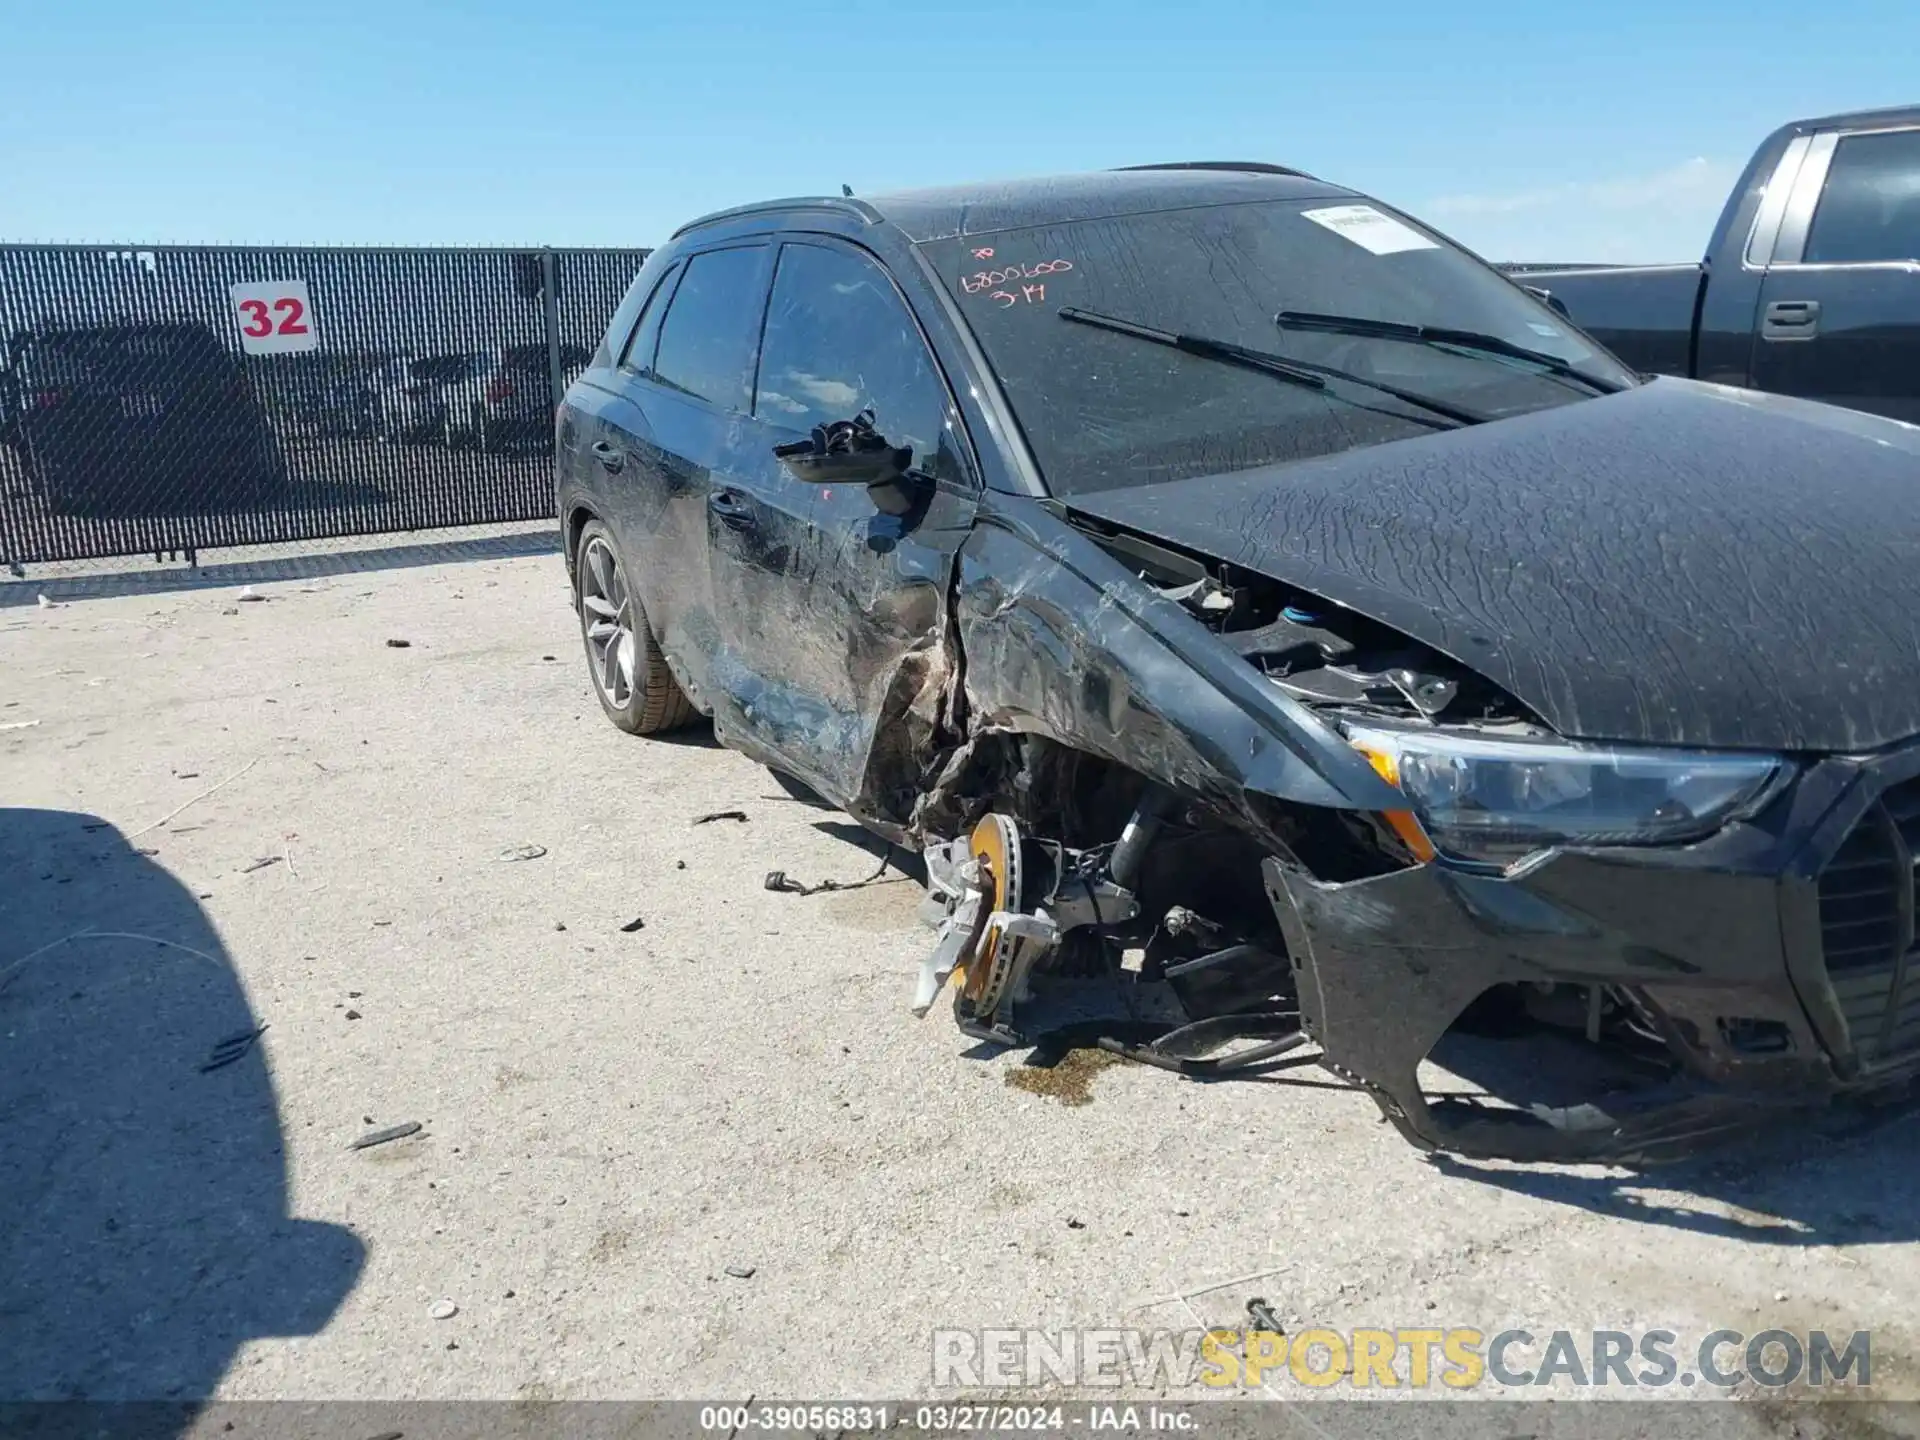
(265, 812)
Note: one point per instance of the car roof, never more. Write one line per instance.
(1856, 120)
(985, 207)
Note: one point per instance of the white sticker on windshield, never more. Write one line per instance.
(1547, 330)
(1369, 229)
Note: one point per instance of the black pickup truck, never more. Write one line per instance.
(1810, 286)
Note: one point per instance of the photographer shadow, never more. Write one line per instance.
(1841, 1176)
(144, 1226)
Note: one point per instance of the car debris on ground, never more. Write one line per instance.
(780, 881)
(381, 1137)
(233, 1047)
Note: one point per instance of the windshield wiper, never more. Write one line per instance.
(1297, 372)
(1440, 335)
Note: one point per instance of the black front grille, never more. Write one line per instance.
(1867, 903)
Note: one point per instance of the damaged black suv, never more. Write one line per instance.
(1233, 587)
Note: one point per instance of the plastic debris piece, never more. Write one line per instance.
(234, 1047)
(523, 852)
(740, 1272)
(381, 1137)
(639, 922)
(711, 816)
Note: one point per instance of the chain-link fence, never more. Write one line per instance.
(179, 398)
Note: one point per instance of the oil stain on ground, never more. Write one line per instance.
(1070, 1081)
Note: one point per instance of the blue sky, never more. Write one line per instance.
(1529, 131)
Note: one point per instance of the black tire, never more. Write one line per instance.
(653, 702)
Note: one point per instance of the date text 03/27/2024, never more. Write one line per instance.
(944, 1419)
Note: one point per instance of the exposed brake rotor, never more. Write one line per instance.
(986, 967)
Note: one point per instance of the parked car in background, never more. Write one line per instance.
(508, 400)
(1811, 281)
(10, 395)
(147, 419)
(1209, 566)
(411, 395)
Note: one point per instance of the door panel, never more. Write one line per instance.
(1839, 315)
(665, 446)
(669, 430)
(1847, 335)
(834, 609)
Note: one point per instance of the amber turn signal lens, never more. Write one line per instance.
(1404, 823)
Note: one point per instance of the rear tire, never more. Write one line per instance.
(629, 673)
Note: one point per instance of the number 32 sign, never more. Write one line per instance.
(275, 317)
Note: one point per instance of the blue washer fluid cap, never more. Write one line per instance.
(1299, 616)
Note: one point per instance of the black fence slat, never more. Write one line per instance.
(356, 391)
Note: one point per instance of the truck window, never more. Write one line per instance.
(1870, 209)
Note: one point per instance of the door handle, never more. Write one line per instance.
(608, 456)
(731, 508)
(1790, 320)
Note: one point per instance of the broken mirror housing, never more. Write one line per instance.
(1495, 800)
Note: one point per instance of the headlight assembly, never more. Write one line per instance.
(1492, 801)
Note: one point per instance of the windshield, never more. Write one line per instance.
(1104, 410)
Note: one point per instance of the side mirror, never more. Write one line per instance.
(845, 467)
(852, 452)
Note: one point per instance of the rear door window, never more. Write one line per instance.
(707, 339)
(839, 340)
(1870, 210)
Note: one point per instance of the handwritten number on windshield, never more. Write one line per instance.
(991, 280)
(1025, 295)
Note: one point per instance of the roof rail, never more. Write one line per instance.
(1259, 167)
(835, 204)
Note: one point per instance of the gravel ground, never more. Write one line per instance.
(314, 820)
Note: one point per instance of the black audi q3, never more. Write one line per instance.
(1232, 586)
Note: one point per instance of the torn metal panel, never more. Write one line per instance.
(836, 658)
(1062, 641)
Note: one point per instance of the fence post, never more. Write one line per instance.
(549, 273)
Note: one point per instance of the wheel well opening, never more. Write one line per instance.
(577, 519)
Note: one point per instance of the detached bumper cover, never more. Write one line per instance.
(1799, 925)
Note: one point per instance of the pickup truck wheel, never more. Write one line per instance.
(630, 675)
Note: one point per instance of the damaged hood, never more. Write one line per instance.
(1679, 564)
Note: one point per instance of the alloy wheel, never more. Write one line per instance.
(606, 615)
